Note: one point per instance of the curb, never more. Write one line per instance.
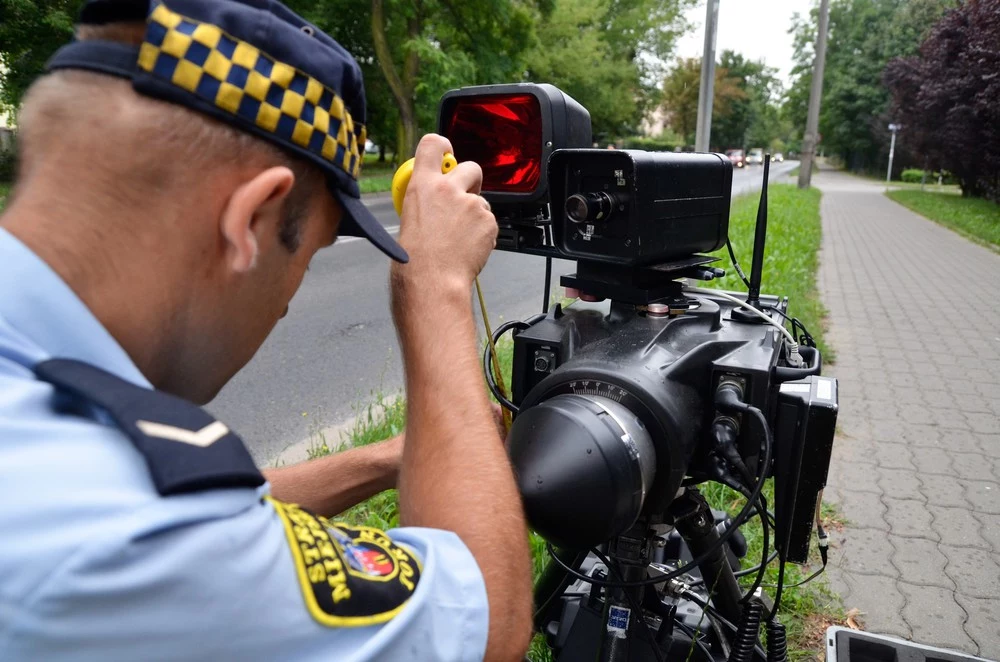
(333, 435)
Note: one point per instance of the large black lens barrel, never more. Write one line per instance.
(583, 465)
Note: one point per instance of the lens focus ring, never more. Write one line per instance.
(589, 207)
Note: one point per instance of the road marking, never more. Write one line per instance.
(392, 229)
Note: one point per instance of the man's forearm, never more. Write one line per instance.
(332, 484)
(455, 473)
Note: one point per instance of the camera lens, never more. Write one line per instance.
(589, 207)
(584, 464)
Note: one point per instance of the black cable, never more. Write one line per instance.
(745, 572)
(695, 640)
(748, 634)
(737, 522)
(714, 613)
(736, 264)
(548, 283)
(779, 589)
(560, 590)
(823, 546)
(491, 382)
(762, 567)
(805, 338)
(756, 568)
(804, 581)
(636, 608)
(777, 642)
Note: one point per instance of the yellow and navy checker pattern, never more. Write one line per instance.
(238, 78)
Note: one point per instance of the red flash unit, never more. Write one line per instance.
(510, 131)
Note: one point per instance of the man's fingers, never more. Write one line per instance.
(469, 176)
(430, 153)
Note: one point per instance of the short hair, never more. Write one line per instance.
(190, 137)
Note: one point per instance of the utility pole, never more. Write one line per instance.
(706, 91)
(812, 119)
(892, 151)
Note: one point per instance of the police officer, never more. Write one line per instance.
(179, 165)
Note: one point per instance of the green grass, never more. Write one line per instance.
(4, 190)
(376, 177)
(383, 417)
(791, 263)
(806, 611)
(974, 218)
(371, 183)
(791, 257)
(953, 189)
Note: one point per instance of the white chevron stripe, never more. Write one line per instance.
(204, 437)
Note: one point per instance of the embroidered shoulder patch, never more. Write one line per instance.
(350, 576)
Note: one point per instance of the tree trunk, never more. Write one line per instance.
(381, 152)
(401, 88)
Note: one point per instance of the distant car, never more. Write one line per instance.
(370, 147)
(756, 156)
(778, 157)
(736, 157)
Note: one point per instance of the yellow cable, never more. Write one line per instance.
(497, 373)
(400, 181)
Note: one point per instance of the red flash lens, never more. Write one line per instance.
(503, 134)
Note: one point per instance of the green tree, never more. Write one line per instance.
(680, 96)
(863, 36)
(608, 55)
(753, 118)
(30, 32)
(424, 47)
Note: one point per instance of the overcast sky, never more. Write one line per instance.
(756, 28)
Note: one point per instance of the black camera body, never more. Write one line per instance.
(638, 208)
(663, 369)
(622, 408)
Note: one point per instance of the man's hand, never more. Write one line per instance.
(456, 475)
(330, 485)
(447, 229)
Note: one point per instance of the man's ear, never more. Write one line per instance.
(253, 211)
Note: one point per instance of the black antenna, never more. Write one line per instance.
(759, 239)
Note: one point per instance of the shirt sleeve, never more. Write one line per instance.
(270, 581)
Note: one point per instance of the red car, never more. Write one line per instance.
(736, 157)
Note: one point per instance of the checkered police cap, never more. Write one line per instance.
(253, 64)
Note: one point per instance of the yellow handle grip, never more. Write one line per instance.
(401, 179)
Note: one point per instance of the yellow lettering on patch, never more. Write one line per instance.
(349, 576)
(309, 554)
(317, 573)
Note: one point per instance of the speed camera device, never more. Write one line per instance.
(539, 173)
(622, 408)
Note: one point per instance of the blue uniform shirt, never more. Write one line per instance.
(95, 564)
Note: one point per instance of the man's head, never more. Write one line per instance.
(187, 235)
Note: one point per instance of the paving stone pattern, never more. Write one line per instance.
(915, 322)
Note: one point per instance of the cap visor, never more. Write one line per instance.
(359, 222)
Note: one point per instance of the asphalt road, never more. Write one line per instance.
(337, 345)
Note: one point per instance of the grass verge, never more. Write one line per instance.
(932, 187)
(974, 218)
(790, 269)
(792, 255)
(376, 176)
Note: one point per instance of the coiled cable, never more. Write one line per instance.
(746, 634)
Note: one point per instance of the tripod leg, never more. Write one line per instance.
(693, 520)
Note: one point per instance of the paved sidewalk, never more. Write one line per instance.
(915, 321)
